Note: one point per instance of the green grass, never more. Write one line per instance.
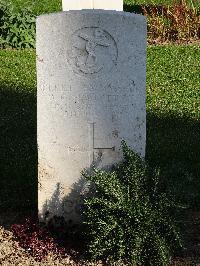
(18, 148)
(173, 122)
(173, 125)
(50, 6)
(37, 6)
(173, 81)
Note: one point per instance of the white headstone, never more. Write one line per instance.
(92, 4)
(91, 69)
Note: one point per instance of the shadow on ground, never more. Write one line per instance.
(18, 154)
(172, 144)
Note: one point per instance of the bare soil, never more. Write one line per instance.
(11, 253)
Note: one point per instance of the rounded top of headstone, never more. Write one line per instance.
(139, 18)
(92, 38)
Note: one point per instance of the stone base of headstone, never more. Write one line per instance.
(91, 68)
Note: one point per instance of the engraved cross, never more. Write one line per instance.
(93, 148)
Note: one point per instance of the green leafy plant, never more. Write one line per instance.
(17, 29)
(129, 218)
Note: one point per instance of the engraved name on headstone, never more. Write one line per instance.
(91, 68)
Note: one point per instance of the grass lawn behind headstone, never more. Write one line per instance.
(18, 146)
(173, 117)
(173, 126)
(50, 6)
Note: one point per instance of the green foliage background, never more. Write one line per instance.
(17, 29)
(17, 22)
(48, 6)
(36, 6)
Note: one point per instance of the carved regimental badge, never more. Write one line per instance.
(93, 50)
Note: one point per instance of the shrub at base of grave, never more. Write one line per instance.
(130, 218)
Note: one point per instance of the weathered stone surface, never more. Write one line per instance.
(92, 4)
(91, 68)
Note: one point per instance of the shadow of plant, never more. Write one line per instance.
(63, 216)
(172, 144)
